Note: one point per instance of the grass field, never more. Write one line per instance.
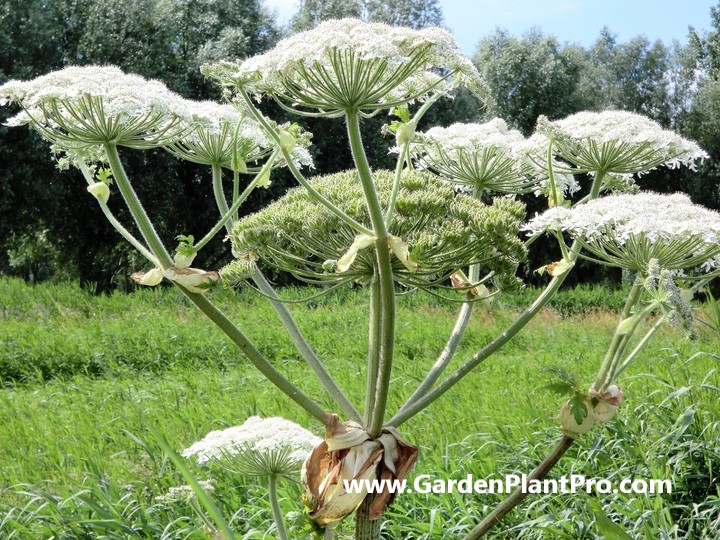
(90, 383)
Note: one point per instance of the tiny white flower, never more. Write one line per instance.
(90, 105)
(618, 142)
(630, 230)
(484, 156)
(350, 63)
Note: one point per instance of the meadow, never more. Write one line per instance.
(92, 383)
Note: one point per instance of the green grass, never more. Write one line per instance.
(91, 382)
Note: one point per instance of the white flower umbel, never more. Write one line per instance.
(351, 64)
(220, 134)
(628, 231)
(483, 156)
(259, 447)
(533, 153)
(184, 493)
(95, 105)
(618, 142)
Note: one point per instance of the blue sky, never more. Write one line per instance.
(576, 21)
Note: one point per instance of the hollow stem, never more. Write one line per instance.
(445, 357)
(220, 200)
(638, 348)
(296, 172)
(366, 528)
(205, 305)
(275, 505)
(386, 342)
(410, 410)
(373, 349)
(619, 339)
(255, 356)
(518, 495)
(228, 214)
(134, 242)
(136, 209)
(451, 380)
(304, 348)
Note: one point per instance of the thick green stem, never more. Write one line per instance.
(366, 528)
(518, 495)
(636, 351)
(373, 349)
(228, 214)
(136, 209)
(134, 242)
(619, 338)
(410, 410)
(384, 273)
(271, 132)
(207, 307)
(282, 533)
(255, 356)
(219, 193)
(305, 349)
(402, 158)
(445, 357)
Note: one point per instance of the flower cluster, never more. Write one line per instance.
(93, 105)
(482, 156)
(220, 134)
(617, 142)
(434, 233)
(629, 231)
(349, 63)
(259, 447)
(184, 493)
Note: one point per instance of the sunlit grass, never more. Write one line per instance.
(92, 381)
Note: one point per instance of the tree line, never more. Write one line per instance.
(49, 226)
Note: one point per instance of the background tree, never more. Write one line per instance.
(412, 13)
(528, 77)
(165, 39)
(631, 76)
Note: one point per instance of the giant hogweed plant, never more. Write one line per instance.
(445, 220)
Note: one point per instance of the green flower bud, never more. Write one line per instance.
(405, 133)
(263, 179)
(183, 258)
(608, 402)
(287, 140)
(150, 278)
(100, 190)
(239, 165)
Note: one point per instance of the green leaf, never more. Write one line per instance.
(566, 383)
(560, 387)
(104, 175)
(403, 113)
(606, 526)
(185, 244)
(578, 408)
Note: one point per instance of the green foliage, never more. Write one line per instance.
(630, 76)
(96, 442)
(528, 77)
(412, 13)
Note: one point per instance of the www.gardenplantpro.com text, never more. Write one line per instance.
(574, 483)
